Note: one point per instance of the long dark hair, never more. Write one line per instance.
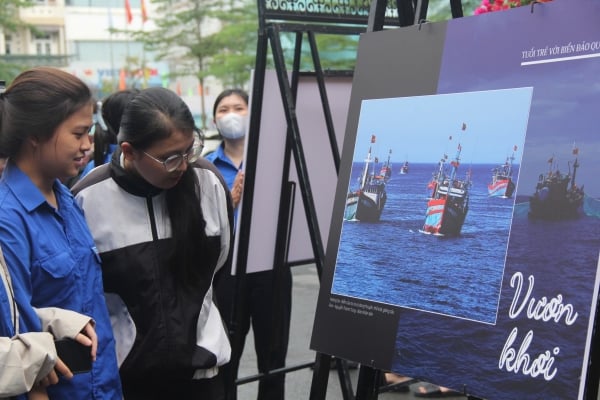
(36, 103)
(110, 110)
(152, 115)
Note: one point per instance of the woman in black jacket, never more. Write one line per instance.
(161, 217)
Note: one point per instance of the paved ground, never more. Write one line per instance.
(298, 383)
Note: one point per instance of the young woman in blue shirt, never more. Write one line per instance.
(45, 117)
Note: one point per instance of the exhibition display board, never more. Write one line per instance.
(477, 266)
(270, 164)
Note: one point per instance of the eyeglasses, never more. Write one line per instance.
(173, 162)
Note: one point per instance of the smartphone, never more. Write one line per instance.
(75, 355)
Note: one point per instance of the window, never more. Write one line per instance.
(43, 43)
(7, 44)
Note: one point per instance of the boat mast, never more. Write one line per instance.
(575, 166)
(512, 159)
(455, 163)
(366, 169)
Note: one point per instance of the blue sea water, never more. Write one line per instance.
(453, 295)
(458, 276)
(562, 258)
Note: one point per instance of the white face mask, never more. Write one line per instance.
(232, 125)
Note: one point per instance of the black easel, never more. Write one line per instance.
(269, 32)
(307, 18)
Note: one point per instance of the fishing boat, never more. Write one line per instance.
(502, 184)
(366, 203)
(557, 195)
(404, 168)
(448, 203)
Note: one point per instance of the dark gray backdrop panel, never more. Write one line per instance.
(381, 71)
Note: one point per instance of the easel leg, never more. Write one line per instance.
(368, 383)
(318, 388)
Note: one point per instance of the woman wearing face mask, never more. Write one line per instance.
(271, 332)
(230, 115)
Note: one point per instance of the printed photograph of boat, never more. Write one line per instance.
(502, 184)
(472, 312)
(430, 228)
(404, 168)
(366, 202)
(557, 195)
(449, 202)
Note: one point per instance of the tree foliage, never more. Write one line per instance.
(218, 38)
(9, 14)
(10, 22)
(236, 44)
(204, 38)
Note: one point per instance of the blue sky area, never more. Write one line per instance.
(418, 129)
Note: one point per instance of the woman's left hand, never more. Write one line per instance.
(88, 337)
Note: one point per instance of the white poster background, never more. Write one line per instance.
(269, 168)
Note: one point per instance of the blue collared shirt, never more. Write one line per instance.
(53, 262)
(225, 166)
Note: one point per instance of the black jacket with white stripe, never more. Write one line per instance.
(162, 328)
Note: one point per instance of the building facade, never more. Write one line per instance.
(89, 38)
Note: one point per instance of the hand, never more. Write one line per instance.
(237, 189)
(52, 378)
(88, 337)
(38, 393)
(62, 369)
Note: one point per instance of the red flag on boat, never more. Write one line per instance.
(515, 148)
(550, 160)
(372, 138)
(575, 151)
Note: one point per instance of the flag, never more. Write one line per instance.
(128, 14)
(464, 126)
(122, 79)
(575, 151)
(372, 138)
(515, 148)
(459, 147)
(144, 12)
(550, 160)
